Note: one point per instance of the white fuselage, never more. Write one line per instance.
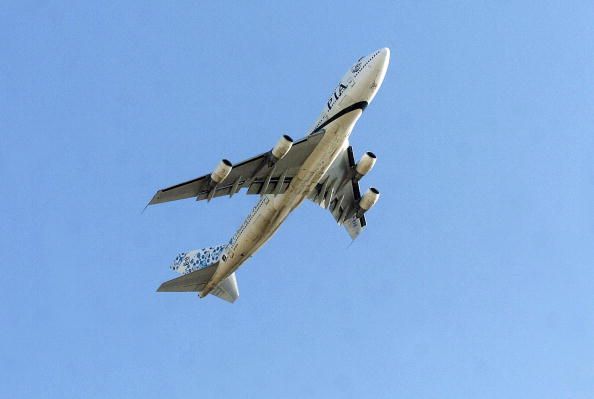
(344, 107)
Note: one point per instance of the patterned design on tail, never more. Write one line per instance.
(187, 262)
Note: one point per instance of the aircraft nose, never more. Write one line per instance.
(384, 56)
(382, 60)
(374, 75)
(366, 76)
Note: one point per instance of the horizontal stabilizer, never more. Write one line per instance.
(191, 282)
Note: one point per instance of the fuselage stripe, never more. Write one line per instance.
(360, 105)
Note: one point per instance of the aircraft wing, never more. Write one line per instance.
(339, 192)
(258, 174)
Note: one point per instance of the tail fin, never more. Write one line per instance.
(197, 268)
(227, 289)
(187, 262)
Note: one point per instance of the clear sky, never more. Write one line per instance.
(474, 278)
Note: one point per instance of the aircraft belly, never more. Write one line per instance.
(270, 217)
(275, 209)
(324, 155)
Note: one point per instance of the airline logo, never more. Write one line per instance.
(336, 95)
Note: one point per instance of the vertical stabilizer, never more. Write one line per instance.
(227, 289)
(187, 262)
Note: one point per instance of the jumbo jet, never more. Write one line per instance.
(320, 167)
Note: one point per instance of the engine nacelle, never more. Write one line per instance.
(365, 165)
(368, 200)
(222, 171)
(282, 148)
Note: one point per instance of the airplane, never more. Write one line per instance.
(320, 167)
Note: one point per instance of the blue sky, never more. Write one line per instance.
(475, 275)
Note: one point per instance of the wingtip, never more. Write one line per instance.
(153, 201)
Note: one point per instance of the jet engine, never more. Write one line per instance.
(368, 201)
(282, 148)
(222, 171)
(365, 165)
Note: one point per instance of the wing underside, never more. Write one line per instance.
(258, 174)
(339, 193)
